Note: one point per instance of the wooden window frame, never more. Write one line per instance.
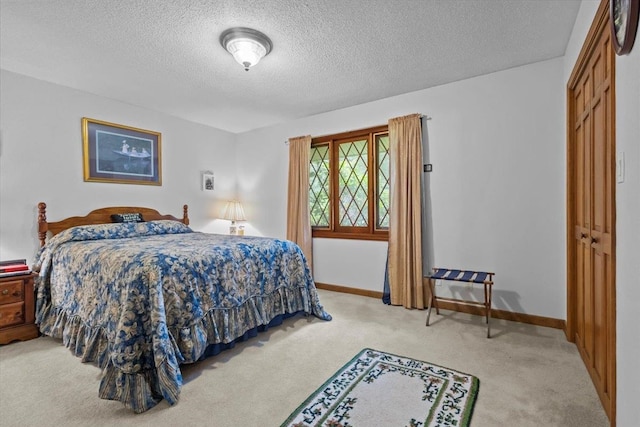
(334, 230)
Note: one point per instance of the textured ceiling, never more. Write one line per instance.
(328, 54)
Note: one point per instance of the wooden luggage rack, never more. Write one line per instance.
(463, 276)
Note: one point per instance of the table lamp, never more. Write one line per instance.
(233, 212)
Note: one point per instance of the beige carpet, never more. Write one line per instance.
(530, 376)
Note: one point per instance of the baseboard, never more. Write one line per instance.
(531, 319)
(348, 290)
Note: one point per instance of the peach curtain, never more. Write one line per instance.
(405, 222)
(298, 216)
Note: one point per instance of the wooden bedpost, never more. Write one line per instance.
(185, 215)
(42, 222)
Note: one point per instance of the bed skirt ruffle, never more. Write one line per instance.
(216, 331)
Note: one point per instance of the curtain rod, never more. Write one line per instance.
(422, 116)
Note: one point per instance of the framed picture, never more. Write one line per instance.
(120, 154)
(207, 181)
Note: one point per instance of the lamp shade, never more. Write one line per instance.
(247, 46)
(233, 211)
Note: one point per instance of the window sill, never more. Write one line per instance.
(322, 234)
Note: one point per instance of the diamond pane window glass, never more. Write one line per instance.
(353, 179)
(382, 196)
(349, 185)
(319, 186)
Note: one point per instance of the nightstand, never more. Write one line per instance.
(17, 308)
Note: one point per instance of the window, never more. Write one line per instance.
(349, 185)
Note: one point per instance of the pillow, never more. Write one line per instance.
(127, 217)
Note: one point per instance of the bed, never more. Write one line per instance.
(141, 298)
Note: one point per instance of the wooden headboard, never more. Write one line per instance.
(98, 216)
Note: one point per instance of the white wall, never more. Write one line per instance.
(497, 145)
(628, 237)
(627, 215)
(41, 160)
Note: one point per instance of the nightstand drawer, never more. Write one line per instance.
(12, 291)
(11, 314)
(17, 309)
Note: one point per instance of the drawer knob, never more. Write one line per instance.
(5, 291)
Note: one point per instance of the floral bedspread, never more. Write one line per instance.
(139, 299)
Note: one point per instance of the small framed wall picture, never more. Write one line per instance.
(207, 181)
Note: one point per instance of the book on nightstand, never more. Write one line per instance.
(14, 267)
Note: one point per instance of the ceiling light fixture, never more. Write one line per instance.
(247, 46)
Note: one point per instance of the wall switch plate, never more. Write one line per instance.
(620, 167)
(428, 167)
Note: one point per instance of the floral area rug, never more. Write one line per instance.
(381, 389)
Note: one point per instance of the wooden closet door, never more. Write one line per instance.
(601, 219)
(584, 294)
(591, 215)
